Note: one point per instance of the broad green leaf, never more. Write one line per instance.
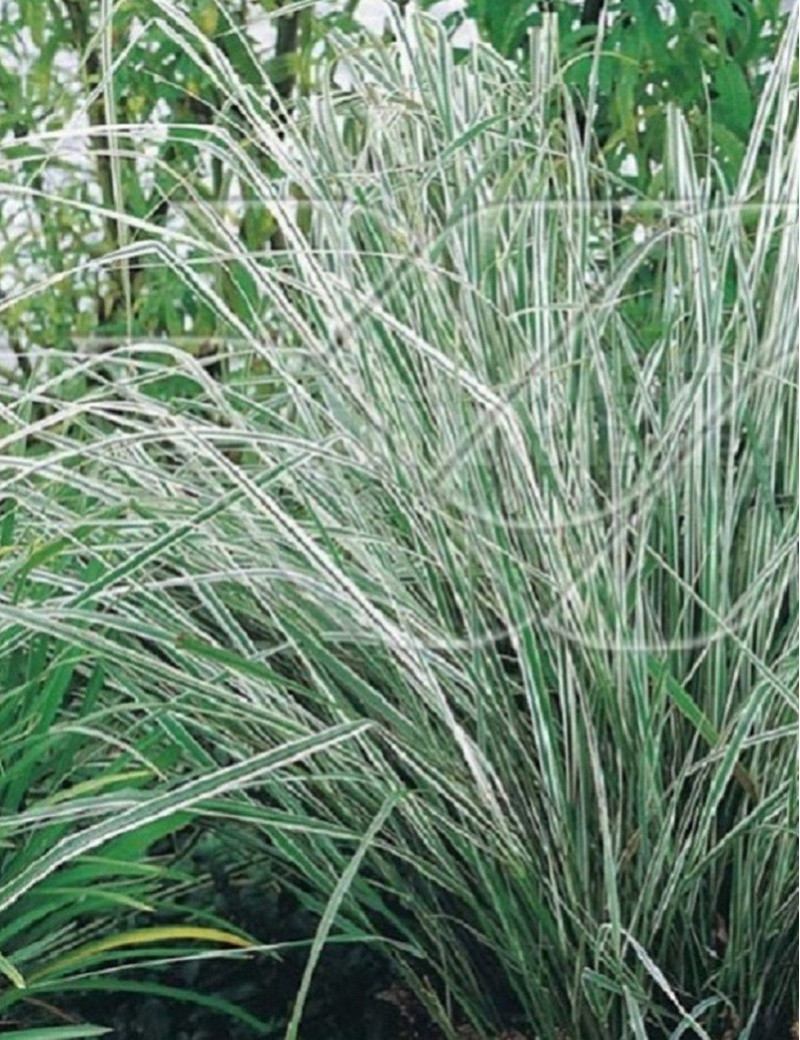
(734, 105)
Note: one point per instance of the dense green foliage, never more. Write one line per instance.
(633, 58)
(97, 70)
(398, 523)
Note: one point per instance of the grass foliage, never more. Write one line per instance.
(460, 578)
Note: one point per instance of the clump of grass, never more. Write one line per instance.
(501, 491)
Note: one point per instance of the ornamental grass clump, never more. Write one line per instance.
(467, 565)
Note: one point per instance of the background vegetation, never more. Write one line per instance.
(398, 528)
